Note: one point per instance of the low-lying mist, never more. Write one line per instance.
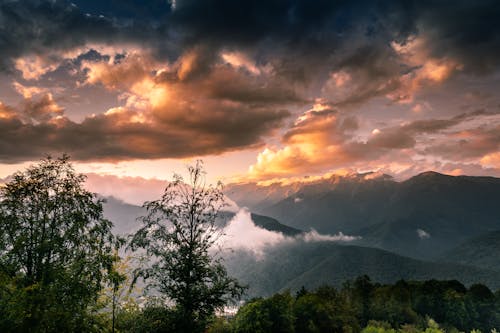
(241, 234)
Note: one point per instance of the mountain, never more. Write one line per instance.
(432, 213)
(312, 264)
(270, 224)
(482, 251)
(303, 261)
(123, 215)
(420, 217)
(338, 203)
(125, 218)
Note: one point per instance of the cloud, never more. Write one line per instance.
(295, 41)
(492, 160)
(43, 109)
(285, 33)
(33, 67)
(242, 234)
(123, 134)
(160, 117)
(314, 236)
(28, 91)
(40, 109)
(469, 145)
(208, 77)
(422, 234)
(133, 190)
(32, 29)
(323, 139)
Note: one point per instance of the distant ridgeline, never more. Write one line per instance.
(430, 226)
(422, 217)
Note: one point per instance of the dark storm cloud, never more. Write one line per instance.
(467, 30)
(405, 136)
(471, 144)
(312, 35)
(119, 136)
(300, 37)
(40, 27)
(131, 10)
(302, 42)
(37, 26)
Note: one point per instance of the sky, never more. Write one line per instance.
(259, 89)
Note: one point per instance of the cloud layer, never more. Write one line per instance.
(315, 85)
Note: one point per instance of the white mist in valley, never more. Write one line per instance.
(241, 233)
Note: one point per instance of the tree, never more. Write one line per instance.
(178, 233)
(55, 247)
(273, 314)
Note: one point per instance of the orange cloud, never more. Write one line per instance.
(323, 139)
(491, 160)
(33, 67)
(28, 92)
(241, 60)
(7, 112)
(160, 116)
(427, 70)
(134, 190)
(315, 142)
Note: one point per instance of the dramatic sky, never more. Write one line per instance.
(257, 89)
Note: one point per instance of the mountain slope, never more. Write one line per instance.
(329, 205)
(482, 251)
(270, 224)
(420, 217)
(125, 218)
(123, 215)
(292, 266)
(432, 213)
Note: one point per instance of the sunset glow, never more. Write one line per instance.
(290, 90)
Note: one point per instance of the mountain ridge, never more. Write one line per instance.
(312, 264)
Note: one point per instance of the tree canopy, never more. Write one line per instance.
(178, 234)
(55, 247)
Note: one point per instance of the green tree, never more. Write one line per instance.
(55, 248)
(273, 314)
(177, 234)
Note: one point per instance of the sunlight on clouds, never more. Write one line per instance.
(427, 71)
(134, 68)
(122, 115)
(187, 63)
(28, 92)
(6, 112)
(314, 142)
(491, 160)
(33, 67)
(239, 59)
(341, 78)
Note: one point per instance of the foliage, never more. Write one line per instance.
(404, 307)
(55, 247)
(178, 234)
(274, 314)
(117, 302)
(219, 325)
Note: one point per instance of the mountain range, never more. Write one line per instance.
(429, 226)
(421, 217)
